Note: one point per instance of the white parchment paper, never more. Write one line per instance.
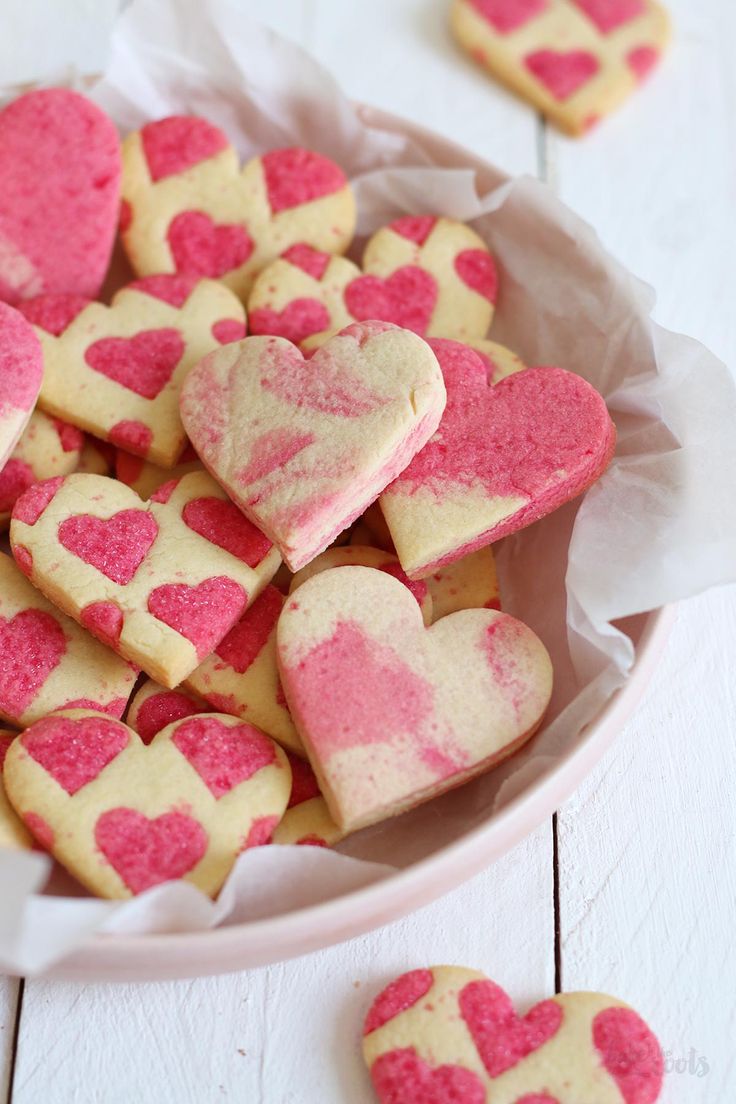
(655, 529)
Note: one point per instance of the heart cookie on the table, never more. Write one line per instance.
(47, 662)
(357, 555)
(479, 478)
(60, 188)
(241, 676)
(307, 820)
(47, 447)
(117, 371)
(448, 1034)
(303, 447)
(153, 707)
(189, 207)
(574, 60)
(392, 713)
(123, 817)
(161, 582)
(300, 294)
(13, 833)
(21, 372)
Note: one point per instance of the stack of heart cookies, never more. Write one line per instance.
(252, 596)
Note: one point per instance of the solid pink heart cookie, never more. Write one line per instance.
(117, 371)
(123, 817)
(161, 582)
(392, 713)
(21, 372)
(304, 446)
(60, 186)
(190, 208)
(46, 448)
(478, 480)
(448, 1034)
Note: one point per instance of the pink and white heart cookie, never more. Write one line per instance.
(434, 276)
(392, 713)
(145, 478)
(301, 294)
(573, 60)
(241, 676)
(13, 833)
(478, 479)
(357, 555)
(47, 662)
(47, 447)
(153, 707)
(117, 371)
(449, 1034)
(161, 582)
(190, 208)
(307, 820)
(303, 447)
(60, 183)
(21, 372)
(123, 816)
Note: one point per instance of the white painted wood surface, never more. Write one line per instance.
(646, 867)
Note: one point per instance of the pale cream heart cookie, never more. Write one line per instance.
(448, 1034)
(47, 447)
(153, 707)
(498, 359)
(117, 371)
(241, 676)
(303, 447)
(47, 661)
(123, 817)
(573, 60)
(469, 583)
(161, 582)
(392, 713)
(13, 833)
(189, 207)
(145, 478)
(307, 820)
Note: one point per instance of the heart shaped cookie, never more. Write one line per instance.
(13, 833)
(304, 446)
(60, 183)
(47, 662)
(188, 206)
(241, 676)
(479, 478)
(392, 713)
(450, 1034)
(153, 707)
(117, 371)
(301, 294)
(47, 447)
(145, 478)
(573, 60)
(21, 372)
(160, 582)
(123, 817)
(307, 820)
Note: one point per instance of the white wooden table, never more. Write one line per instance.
(632, 887)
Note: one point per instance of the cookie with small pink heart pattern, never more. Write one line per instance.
(301, 294)
(188, 206)
(60, 188)
(432, 275)
(153, 707)
(47, 661)
(161, 582)
(573, 60)
(449, 1034)
(123, 816)
(307, 820)
(47, 447)
(478, 480)
(392, 713)
(13, 833)
(241, 676)
(304, 446)
(21, 372)
(117, 371)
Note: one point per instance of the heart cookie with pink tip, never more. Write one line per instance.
(392, 713)
(161, 582)
(190, 208)
(117, 371)
(47, 661)
(573, 60)
(60, 183)
(478, 479)
(450, 1034)
(123, 817)
(304, 446)
(47, 447)
(21, 372)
